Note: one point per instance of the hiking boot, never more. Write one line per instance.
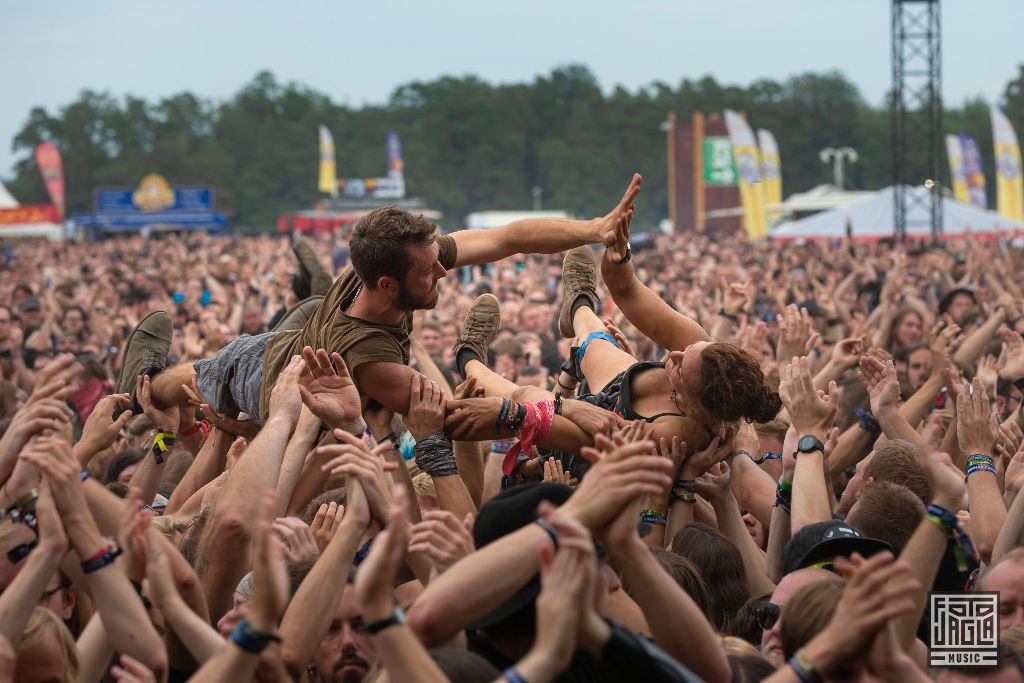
(478, 331)
(298, 315)
(310, 269)
(145, 353)
(579, 275)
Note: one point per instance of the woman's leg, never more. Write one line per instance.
(602, 360)
(494, 384)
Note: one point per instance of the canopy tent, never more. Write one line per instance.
(7, 200)
(873, 218)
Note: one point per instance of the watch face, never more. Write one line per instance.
(809, 443)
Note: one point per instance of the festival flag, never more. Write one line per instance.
(396, 169)
(328, 173)
(771, 164)
(974, 171)
(957, 169)
(52, 169)
(748, 165)
(1009, 184)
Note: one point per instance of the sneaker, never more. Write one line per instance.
(311, 270)
(579, 275)
(479, 329)
(145, 353)
(298, 315)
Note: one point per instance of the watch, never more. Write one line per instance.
(397, 617)
(809, 444)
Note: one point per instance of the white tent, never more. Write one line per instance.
(7, 200)
(50, 231)
(872, 218)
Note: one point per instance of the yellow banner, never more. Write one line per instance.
(748, 165)
(957, 170)
(328, 173)
(771, 164)
(1009, 184)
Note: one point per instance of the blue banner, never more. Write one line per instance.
(121, 200)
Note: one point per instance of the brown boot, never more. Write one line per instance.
(319, 279)
(579, 276)
(145, 353)
(478, 330)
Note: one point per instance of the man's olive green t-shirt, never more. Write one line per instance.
(358, 341)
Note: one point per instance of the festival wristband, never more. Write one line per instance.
(653, 517)
(395, 619)
(549, 529)
(252, 640)
(688, 485)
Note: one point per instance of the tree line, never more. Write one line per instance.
(468, 145)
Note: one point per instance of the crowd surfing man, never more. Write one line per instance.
(728, 479)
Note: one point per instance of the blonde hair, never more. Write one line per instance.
(42, 622)
(737, 646)
(423, 484)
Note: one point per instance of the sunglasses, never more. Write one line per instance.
(768, 614)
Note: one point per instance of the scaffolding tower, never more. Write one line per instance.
(917, 152)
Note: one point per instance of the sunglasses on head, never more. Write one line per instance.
(767, 614)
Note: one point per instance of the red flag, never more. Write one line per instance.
(52, 170)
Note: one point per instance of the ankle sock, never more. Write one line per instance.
(464, 356)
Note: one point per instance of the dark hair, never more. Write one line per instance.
(336, 495)
(888, 512)
(379, 240)
(903, 353)
(745, 624)
(121, 461)
(730, 385)
(896, 461)
(686, 573)
(749, 668)
(721, 566)
(462, 666)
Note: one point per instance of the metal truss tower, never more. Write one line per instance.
(917, 138)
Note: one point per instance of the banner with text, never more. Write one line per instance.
(957, 169)
(328, 172)
(30, 213)
(719, 165)
(975, 172)
(748, 165)
(771, 164)
(1009, 184)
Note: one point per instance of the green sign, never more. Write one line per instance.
(719, 166)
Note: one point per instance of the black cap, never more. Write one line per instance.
(507, 512)
(946, 300)
(30, 304)
(825, 540)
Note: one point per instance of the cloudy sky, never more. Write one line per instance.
(358, 52)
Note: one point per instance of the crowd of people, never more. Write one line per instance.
(532, 453)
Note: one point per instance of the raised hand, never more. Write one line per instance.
(810, 411)
(285, 397)
(270, 573)
(300, 544)
(795, 334)
(699, 462)
(620, 338)
(353, 458)
(325, 522)
(163, 419)
(376, 575)
(881, 382)
(715, 487)
(426, 408)
(613, 227)
(329, 392)
(555, 474)
(977, 428)
(100, 431)
(442, 538)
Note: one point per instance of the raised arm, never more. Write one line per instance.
(647, 311)
(541, 235)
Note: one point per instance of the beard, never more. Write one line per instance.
(407, 302)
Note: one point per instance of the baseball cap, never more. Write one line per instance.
(826, 540)
(509, 511)
(30, 304)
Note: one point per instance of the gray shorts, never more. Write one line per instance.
(230, 381)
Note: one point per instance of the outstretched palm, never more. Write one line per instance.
(328, 390)
(614, 226)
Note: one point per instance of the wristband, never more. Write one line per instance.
(191, 431)
(804, 668)
(250, 639)
(502, 415)
(768, 455)
(85, 474)
(548, 529)
(785, 485)
(980, 459)
(688, 485)
(434, 455)
(742, 451)
(980, 468)
(653, 517)
(516, 417)
(102, 558)
(558, 403)
(950, 525)
(621, 262)
(868, 422)
(728, 316)
(392, 437)
(784, 495)
(397, 617)
(512, 676)
(162, 442)
(685, 497)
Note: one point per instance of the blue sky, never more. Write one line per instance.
(358, 52)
